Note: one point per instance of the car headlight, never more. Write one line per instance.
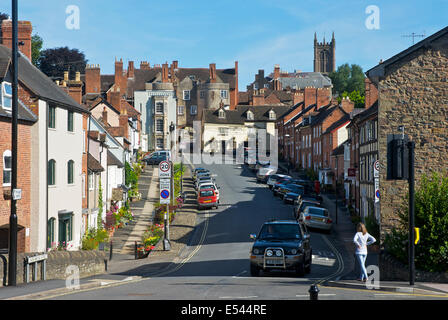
(278, 253)
(293, 251)
(269, 253)
(256, 251)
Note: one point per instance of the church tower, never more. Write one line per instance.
(324, 55)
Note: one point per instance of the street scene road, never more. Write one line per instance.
(215, 264)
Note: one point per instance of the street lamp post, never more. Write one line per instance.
(12, 253)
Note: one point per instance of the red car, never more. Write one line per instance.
(207, 198)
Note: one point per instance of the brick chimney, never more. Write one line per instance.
(347, 105)
(93, 78)
(75, 87)
(114, 98)
(165, 77)
(212, 72)
(310, 95)
(120, 79)
(23, 33)
(123, 119)
(258, 98)
(297, 97)
(276, 71)
(131, 69)
(371, 93)
(234, 99)
(105, 116)
(144, 65)
(323, 97)
(176, 64)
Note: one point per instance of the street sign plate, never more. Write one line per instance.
(16, 194)
(377, 190)
(376, 169)
(165, 191)
(164, 166)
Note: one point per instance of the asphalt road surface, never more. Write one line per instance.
(216, 263)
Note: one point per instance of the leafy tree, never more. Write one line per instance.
(349, 81)
(36, 47)
(3, 16)
(53, 62)
(431, 216)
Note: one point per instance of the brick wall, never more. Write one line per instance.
(23, 181)
(414, 93)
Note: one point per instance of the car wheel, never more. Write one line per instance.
(254, 271)
(300, 269)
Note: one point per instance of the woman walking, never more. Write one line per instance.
(362, 239)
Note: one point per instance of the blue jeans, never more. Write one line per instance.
(362, 261)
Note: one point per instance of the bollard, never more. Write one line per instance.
(135, 250)
(314, 292)
(111, 251)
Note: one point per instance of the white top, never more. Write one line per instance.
(362, 241)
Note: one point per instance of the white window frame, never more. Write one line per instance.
(163, 107)
(250, 115)
(7, 153)
(181, 110)
(186, 95)
(159, 146)
(272, 115)
(5, 95)
(224, 94)
(91, 181)
(221, 114)
(157, 127)
(195, 108)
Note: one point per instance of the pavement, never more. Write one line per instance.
(342, 238)
(124, 268)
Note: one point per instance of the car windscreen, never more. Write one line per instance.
(207, 186)
(206, 193)
(280, 232)
(318, 212)
(305, 204)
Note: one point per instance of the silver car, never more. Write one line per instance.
(318, 218)
(273, 179)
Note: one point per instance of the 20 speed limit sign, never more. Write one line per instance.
(164, 169)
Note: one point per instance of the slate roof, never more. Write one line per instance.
(337, 124)
(339, 150)
(305, 79)
(24, 113)
(112, 160)
(93, 164)
(239, 115)
(41, 85)
(378, 71)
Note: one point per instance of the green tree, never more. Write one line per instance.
(36, 47)
(100, 207)
(431, 216)
(53, 62)
(349, 81)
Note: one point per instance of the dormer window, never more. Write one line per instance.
(250, 115)
(6, 95)
(272, 115)
(221, 114)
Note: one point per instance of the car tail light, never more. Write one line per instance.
(308, 218)
(329, 221)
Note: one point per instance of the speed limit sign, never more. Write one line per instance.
(164, 169)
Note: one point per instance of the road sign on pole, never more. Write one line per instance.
(165, 191)
(164, 169)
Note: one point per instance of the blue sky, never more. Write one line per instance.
(257, 33)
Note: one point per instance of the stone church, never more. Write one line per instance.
(324, 55)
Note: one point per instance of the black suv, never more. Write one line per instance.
(281, 245)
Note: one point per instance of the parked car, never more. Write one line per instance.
(290, 188)
(303, 203)
(202, 174)
(293, 196)
(281, 245)
(278, 184)
(165, 153)
(207, 198)
(264, 173)
(315, 217)
(156, 158)
(274, 178)
(209, 185)
(206, 179)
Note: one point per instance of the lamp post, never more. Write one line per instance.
(12, 253)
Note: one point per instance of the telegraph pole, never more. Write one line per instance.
(411, 147)
(12, 275)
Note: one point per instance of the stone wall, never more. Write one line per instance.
(90, 263)
(393, 270)
(414, 93)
